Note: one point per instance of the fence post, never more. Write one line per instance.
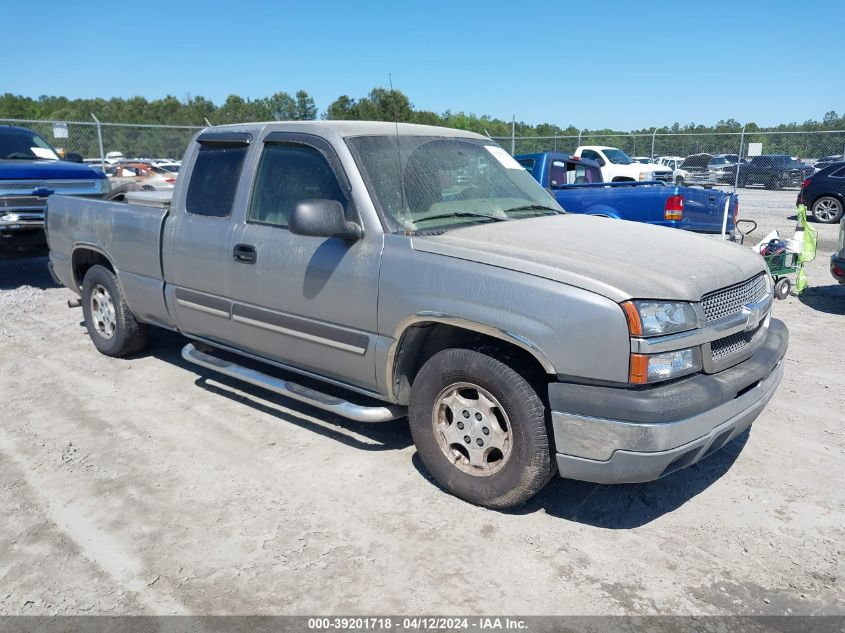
(513, 135)
(579, 138)
(208, 123)
(100, 139)
(739, 158)
(653, 134)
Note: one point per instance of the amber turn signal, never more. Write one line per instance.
(638, 372)
(635, 326)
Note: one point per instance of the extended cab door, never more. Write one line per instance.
(196, 246)
(309, 302)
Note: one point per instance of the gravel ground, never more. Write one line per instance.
(147, 486)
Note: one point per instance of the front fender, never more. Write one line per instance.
(569, 330)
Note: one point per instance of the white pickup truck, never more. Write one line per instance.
(617, 166)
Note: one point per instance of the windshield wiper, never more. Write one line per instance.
(461, 214)
(532, 207)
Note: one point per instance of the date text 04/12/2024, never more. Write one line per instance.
(415, 623)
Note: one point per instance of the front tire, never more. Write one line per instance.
(679, 181)
(480, 429)
(110, 323)
(827, 210)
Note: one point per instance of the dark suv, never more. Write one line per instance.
(824, 193)
(773, 171)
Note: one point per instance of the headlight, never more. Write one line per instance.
(648, 368)
(655, 318)
(644, 175)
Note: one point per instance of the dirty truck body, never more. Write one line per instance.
(424, 272)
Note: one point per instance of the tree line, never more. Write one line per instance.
(382, 104)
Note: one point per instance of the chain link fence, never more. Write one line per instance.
(95, 140)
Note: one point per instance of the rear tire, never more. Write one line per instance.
(480, 429)
(827, 210)
(774, 184)
(108, 319)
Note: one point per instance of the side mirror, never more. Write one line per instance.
(600, 161)
(73, 157)
(323, 218)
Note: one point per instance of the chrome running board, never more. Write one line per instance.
(326, 402)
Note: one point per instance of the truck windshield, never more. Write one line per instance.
(426, 183)
(24, 145)
(617, 156)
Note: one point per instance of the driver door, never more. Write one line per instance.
(308, 302)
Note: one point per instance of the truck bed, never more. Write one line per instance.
(128, 235)
(644, 202)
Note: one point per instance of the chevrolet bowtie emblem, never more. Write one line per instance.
(753, 315)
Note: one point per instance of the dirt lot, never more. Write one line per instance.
(148, 486)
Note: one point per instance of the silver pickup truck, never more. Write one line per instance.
(421, 271)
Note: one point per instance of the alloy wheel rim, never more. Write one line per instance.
(827, 209)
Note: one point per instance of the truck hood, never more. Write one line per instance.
(617, 259)
(46, 170)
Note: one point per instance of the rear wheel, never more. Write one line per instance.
(110, 324)
(480, 428)
(827, 209)
(774, 183)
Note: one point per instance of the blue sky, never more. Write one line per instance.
(590, 64)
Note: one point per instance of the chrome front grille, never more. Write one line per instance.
(733, 344)
(57, 186)
(663, 176)
(729, 301)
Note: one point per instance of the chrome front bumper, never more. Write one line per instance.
(668, 427)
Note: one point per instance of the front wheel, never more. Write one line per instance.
(679, 180)
(108, 319)
(480, 429)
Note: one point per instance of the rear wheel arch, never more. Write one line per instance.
(83, 258)
(423, 339)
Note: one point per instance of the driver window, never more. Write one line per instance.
(287, 175)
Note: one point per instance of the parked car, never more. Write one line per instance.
(519, 340)
(148, 176)
(617, 166)
(823, 193)
(837, 260)
(703, 169)
(645, 160)
(577, 186)
(30, 170)
(773, 171)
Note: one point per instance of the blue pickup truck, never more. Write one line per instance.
(577, 185)
(31, 170)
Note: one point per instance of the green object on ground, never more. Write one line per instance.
(808, 250)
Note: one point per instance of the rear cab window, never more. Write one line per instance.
(214, 178)
(572, 173)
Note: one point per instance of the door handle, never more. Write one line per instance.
(245, 253)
